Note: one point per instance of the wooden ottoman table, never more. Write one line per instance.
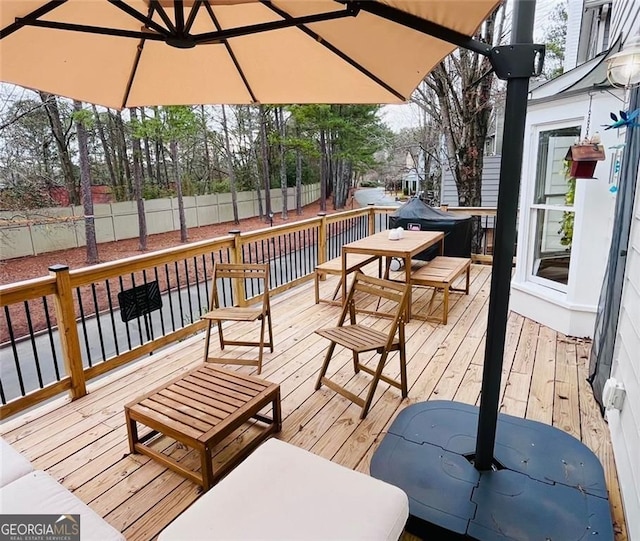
(200, 409)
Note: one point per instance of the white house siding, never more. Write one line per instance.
(624, 425)
(574, 20)
(490, 181)
(625, 18)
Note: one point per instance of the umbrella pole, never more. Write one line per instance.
(505, 235)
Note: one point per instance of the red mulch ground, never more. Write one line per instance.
(24, 268)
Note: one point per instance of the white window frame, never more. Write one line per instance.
(534, 207)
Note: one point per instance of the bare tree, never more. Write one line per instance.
(137, 184)
(85, 184)
(232, 174)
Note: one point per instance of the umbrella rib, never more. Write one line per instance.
(178, 9)
(148, 22)
(163, 15)
(192, 16)
(336, 51)
(93, 29)
(136, 61)
(214, 19)
(42, 10)
(424, 26)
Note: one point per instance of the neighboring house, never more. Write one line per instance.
(488, 190)
(414, 173)
(563, 246)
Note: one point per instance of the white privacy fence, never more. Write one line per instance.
(48, 230)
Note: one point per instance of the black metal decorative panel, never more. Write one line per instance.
(139, 300)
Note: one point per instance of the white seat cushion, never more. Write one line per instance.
(38, 492)
(12, 464)
(283, 492)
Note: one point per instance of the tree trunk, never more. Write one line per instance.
(53, 114)
(298, 182)
(258, 189)
(147, 150)
(205, 140)
(137, 186)
(159, 154)
(124, 155)
(232, 174)
(283, 162)
(85, 183)
(265, 164)
(173, 148)
(108, 153)
(323, 172)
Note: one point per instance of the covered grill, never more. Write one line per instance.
(418, 216)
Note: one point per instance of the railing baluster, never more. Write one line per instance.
(121, 282)
(98, 322)
(83, 324)
(155, 273)
(170, 296)
(179, 293)
(47, 316)
(12, 340)
(111, 315)
(33, 343)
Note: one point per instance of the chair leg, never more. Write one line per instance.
(270, 330)
(207, 340)
(374, 384)
(403, 362)
(261, 345)
(356, 361)
(219, 323)
(325, 365)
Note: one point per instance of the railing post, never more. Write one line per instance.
(372, 219)
(322, 238)
(68, 330)
(237, 286)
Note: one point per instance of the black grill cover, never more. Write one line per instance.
(415, 214)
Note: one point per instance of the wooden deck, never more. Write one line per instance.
(84, 444)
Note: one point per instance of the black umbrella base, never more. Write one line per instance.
(545, 484)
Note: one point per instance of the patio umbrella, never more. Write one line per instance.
(131, 53)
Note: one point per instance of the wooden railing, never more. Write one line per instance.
(98, 318)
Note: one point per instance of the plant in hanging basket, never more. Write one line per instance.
(584, 156)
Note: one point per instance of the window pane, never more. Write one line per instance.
(552, 253)
(551, 183)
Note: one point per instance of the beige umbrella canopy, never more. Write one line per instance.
(126, 53)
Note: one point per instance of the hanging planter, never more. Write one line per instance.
(583, 159)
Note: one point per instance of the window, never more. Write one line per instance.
(552, 209)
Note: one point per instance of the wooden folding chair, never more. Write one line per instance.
(362, 338)
(255, 309)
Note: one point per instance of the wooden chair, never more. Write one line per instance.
(362, 338)
(440, 273)
(254, 309)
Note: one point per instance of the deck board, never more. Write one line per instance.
(84, 445)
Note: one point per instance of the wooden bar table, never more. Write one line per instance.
(410, 245)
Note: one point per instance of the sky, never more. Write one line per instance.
(402, 116)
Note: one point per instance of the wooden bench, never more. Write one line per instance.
(440, 273)
(334, 266)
